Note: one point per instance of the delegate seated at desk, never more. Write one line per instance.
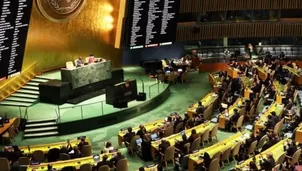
(91, 59)
(80, 62)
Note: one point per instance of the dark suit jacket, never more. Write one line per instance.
(103, 163)
(291, 150)
(163, 146)
(129, 136)
(235, 117)
(115, 159)
(268, 164)
(80, 145)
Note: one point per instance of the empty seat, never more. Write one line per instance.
(278, 53)
(288, 49)
(295, 48)
(265, 49)
(300, 53)
(288, 53)
(283, 48)
(270, 48)
(272, 53)
(277, 49)
(295, 53)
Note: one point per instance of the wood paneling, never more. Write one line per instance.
(237, 30)
(222, 5)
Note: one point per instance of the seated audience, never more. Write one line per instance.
(269, 163)
(104, 162)
(117, 158)
(82, 143)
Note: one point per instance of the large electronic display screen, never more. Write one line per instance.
(14, 21)
(151, 23)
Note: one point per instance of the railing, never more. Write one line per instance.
(65, 113)
(18, 81)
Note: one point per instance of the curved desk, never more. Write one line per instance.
(218, 147)
(200, 129)
(207, 101)
(74, 162)
(46, 147)
(6, 126)
(276, 150)
(223, 118)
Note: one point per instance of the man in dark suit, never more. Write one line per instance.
(291, 149)
(269, 163)
(270, 124)
(82, 143)
(103, 163)
(193, 136)
(275, 117)
(129, 135)
(142, 131)
(200, 109)
(117, 158)
(163, 146)
(234, 118)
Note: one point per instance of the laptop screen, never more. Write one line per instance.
(154, 136)
(139, 141)
(179, 70)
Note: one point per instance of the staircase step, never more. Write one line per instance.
(41, 121)
(39, 80)
(37, 125)
(45, 129)
(30, 88)
(28, 96)
(42, 77)
(33, 84)
(28, 92)
(13, 103)
(19, 99)
(45, 134)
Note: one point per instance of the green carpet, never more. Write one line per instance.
(182, 95)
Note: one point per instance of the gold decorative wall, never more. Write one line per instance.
(91, 31)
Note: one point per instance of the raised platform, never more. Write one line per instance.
(93, 113)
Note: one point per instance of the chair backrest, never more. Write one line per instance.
(217, 156)
(161, 77)
(262, 141)
(187, 147)
(64, 156)
(4, 164)
(169, 153)
(214, 131)
(205, 135)
(11, 131)
(226, 154)
(86, 150)
(276, 168)
(122, 165)
(104, 168)
(69, 65)
(23, 161)
(168, 131)
(236, 149)
(171, 77)
(17, 122)
(240, 121)
(179, 127)
(164, 63)
(295, 157)
(68, 168)
(38, 156)
(281, 158)
(196, 144)
(208, 112)
(214, 165)
(278, 127)
(252, 147)
(184, 76)
(86, 167)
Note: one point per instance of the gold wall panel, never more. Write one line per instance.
(52, 44)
